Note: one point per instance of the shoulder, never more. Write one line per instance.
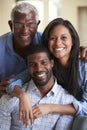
(37, 38)
(63, 94)
(39, 33)
(5, 35)
(29, 86)
(82, 72)
(82, 66)
(4, 38)
(58, 89)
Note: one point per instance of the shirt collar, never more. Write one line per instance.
(54, 90)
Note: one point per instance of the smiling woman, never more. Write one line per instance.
(60, 43)
(61, 38)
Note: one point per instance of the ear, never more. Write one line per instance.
(38, 22)
(10, 24)
(52, 63)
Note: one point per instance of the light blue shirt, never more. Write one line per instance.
(10, 62)
(57, 95)
(82, 79)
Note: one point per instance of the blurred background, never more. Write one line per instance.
(73, 10)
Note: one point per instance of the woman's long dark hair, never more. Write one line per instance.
(67, 77)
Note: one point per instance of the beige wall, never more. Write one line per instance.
(69, 10)
(5, 8)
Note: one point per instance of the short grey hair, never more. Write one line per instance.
(24, 7)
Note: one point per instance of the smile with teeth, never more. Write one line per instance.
(25, 37)
(40, 75)
(59, 49)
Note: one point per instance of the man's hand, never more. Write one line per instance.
(25, 109)
(4, 84)
(83, 53)
(3, 87)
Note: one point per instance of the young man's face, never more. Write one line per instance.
(40, 68)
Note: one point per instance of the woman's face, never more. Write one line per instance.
(60, 43)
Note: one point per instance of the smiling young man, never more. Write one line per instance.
(44, 92)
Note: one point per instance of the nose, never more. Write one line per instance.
(38, 67)
(25, 29)
(58, 41)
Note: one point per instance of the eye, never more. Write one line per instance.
(52, 38)
(18, 25)
(31, 64)
(31, 25)
(64, 38)
(44, 62)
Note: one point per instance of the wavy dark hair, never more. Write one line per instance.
(67, 77)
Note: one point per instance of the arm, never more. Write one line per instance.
(4, 85)
(24, 76)
(13, 86)
(67, 109)
(25, 107)
(18, 80)
(83, 83)
(69, 106)
(8, 84)
(43, 109)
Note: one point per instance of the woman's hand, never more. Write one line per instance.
(25, 109)
(40, 110)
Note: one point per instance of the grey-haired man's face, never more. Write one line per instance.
(24, 28)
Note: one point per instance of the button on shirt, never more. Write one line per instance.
(57, 95)
(10, 61)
